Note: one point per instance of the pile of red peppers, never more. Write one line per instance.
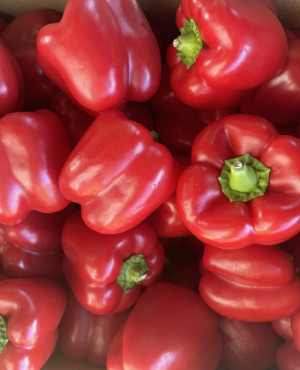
(150, 191)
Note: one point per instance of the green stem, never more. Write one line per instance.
(133, 272)
(189, 43)
(244, 178)
(3, 334)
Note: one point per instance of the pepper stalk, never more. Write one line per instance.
(244, 178)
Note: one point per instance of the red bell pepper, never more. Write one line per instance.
(31, 310)
(254, 283)
(106, 272)
(84, 335)
(11, 81)
(75, 120)
(192, 90)
(118, 174)
(111, 51)
(30, 167)
(32, 248)
(287, 356)
(168, 328)
(242, 187)
(247, 345)
(226, 47)
(278, 99)
(20, 36)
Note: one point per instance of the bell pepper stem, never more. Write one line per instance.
(3, 334)
(244, 178)
(188, 43)
(133, 272)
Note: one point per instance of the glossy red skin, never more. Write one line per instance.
(75, 120)
(20, 36)
(278, 99)
(238, 35)
(11, 82)
(176, 325)
(84, 335)
(125, 59)
(193, 91)
(255, 283)
(117, 189)
(248, 302)
(93, 262)
(166, 220)
(207, 211)
(247, 345)
(30, 167)
(288, 357)
(32, 321)
(295, 326)
(283, 328)
(257, 265)
(33, 247)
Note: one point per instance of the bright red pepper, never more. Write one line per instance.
(106, 272)
(31, 310)
(11, 81)
(30, 166)
(175, 330)
(247, 345)
(243, 185)
(226, 47)
(118, 174)
(20, 36)
(84, 335)
(32, 248)
(278, 99)
(255, 283)
(111, 51)
(194, 92)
